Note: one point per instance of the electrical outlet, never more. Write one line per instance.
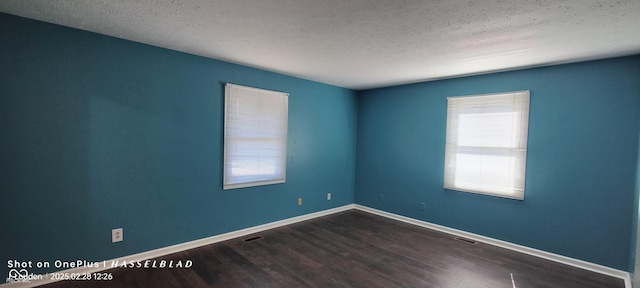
(299, 201)
(328, 196)
(423, 206)
(381, 196)
(116, 235)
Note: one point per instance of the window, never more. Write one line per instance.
(255, 136)
(486, 146)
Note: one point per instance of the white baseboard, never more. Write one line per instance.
(184, 246)
(157, 253)
(507, 245)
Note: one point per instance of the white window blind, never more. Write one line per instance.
(486, 144)
(255, 136)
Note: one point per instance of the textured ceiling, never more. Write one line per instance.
(362, 44)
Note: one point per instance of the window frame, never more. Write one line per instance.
(517, 151)
(232, 142)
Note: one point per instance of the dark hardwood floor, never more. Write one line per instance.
(353, 249)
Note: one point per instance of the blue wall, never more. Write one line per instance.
(99, 133)
(634, 260)
(581, 166)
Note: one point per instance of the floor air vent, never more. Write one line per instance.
(253, 239)
(466, 240)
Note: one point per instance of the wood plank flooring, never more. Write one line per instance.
(354, 249)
